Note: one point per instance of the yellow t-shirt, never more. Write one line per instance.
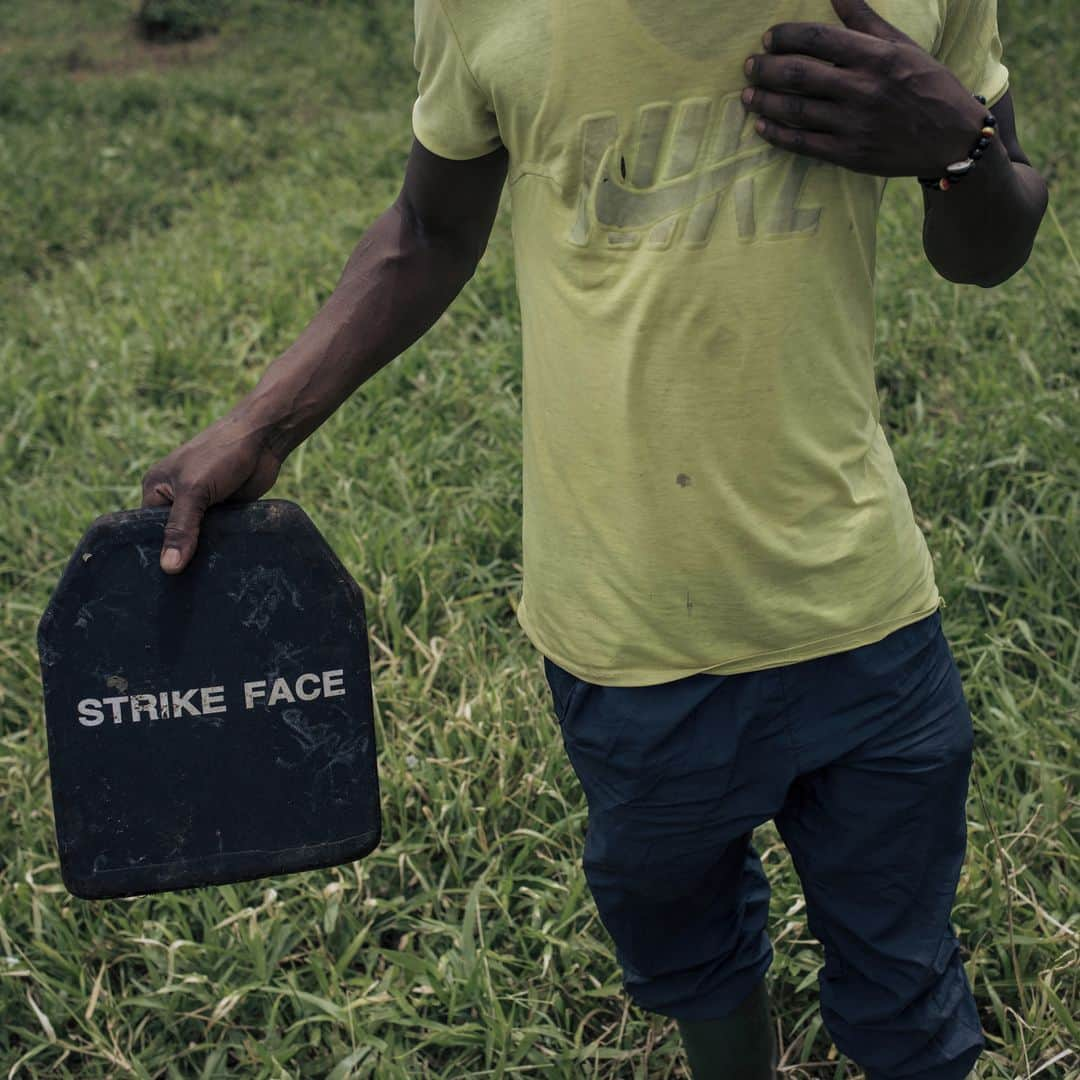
(707, 486)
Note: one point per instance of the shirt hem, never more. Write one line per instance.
(813, 650)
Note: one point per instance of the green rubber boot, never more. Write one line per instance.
(740, 1046)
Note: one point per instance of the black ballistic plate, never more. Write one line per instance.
(210, 726)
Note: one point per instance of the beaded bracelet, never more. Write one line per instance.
(958, 170)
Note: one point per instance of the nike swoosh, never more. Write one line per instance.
(622, 207)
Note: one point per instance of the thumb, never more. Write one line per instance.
(182, 528)
(859, 15)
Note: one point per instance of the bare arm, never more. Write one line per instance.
(404, 273)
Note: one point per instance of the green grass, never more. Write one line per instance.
(171, 222)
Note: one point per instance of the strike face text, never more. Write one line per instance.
(208, 700)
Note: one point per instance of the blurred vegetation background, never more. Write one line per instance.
(180, 185)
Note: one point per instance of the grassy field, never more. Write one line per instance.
(172, 217)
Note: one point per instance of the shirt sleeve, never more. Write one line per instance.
(452, 116)
(971, 48)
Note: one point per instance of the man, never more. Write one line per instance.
(737, 612)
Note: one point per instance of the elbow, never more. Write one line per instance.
(989, 281)
(994, 279)
(993, 283)
(996, 276)
(955, 277)
(987, 258)
(988, 276)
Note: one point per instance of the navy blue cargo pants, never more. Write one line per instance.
(862, 759)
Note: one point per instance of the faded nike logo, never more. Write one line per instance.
(687, 157)
(618, 206)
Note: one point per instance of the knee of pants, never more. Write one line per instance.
(689, 869)
(635, 867)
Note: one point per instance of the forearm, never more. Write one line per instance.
(394, 287)
(982, 231)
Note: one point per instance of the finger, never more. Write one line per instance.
(848, 48)
(796, 111)
(804, 75)
(816, 144)
(155, 491)
(182, 529)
